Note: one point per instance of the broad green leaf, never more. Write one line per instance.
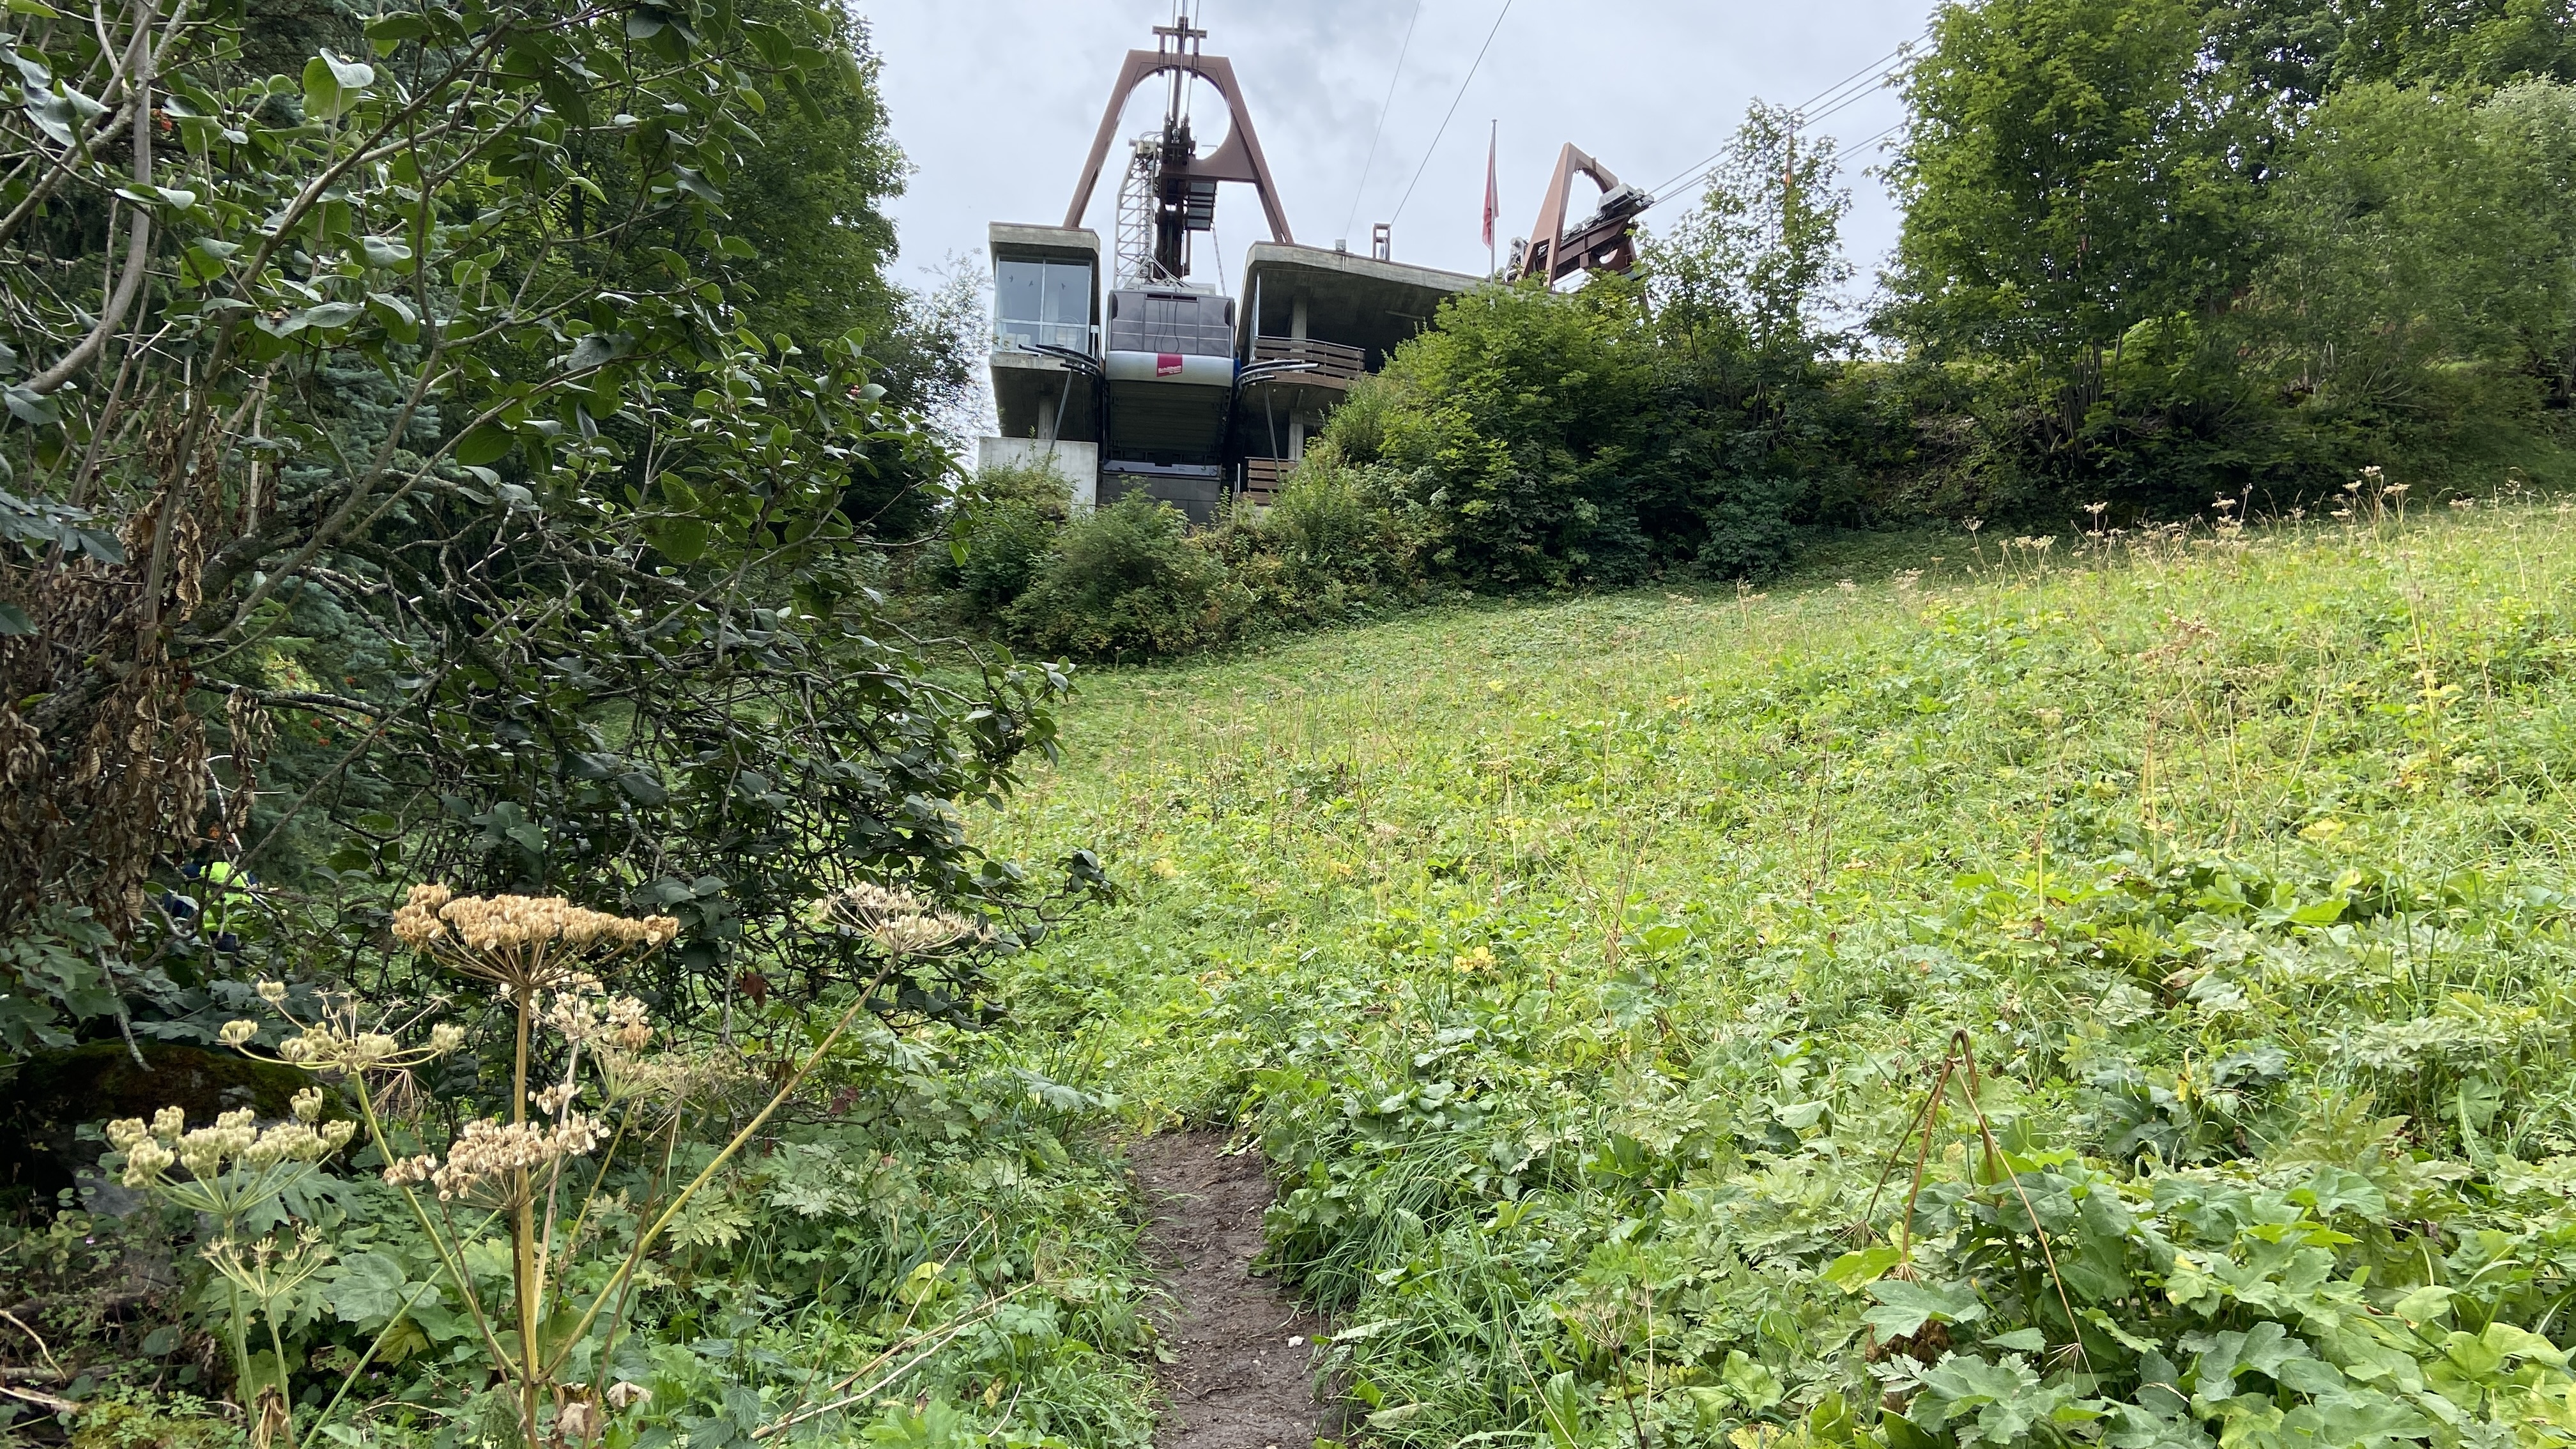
(390, 31)
(326, 316)
(384, 251)
(401, 323)
(2511, 1342)
(2334, 1190)
(2428, 1304)
(681, 540)
(598, 348)
(1904, 1307)
(1752, 1385)
(486, 444)
(1854, 1269)
(332, 85)
(367, 1290)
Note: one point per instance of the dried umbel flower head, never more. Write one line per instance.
(342, 1037)
(490, 1160)
(522, 942)
(235, 1141)
(619, 1023)
(668, 1078)
(897, 921)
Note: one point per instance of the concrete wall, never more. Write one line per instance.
(1078, 462)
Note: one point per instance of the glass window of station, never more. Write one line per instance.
(1043, 303)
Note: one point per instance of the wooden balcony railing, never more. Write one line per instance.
(1334, 364)
(1262, 477)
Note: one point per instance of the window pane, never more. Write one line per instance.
(1016, 288)
(1068, 294)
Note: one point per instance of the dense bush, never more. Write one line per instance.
(1006, 523)
(1123, 582)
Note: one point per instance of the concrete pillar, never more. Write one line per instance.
(1297, 317)
(1296, 434)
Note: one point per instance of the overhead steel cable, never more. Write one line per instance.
(1434, 148)
(1857, 147)
(1361, 190)
(1841, 93)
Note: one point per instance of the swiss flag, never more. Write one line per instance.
(1167, 364)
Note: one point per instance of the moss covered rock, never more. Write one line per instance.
(54, 1093)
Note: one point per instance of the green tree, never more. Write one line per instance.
(2064, 178)
(363, 387)
(1759, 263)
(2422, 248)
(1511, 432)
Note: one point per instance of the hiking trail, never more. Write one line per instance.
(1240, 1374)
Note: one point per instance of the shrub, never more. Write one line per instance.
(1328, 531)
(1510, 433)
(1008, 520)
(1125, 582)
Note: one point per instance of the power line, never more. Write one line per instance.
(1874, 71)
(1453, 110)
(1856, 148)
(1400, 52)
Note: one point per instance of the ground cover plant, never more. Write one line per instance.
(2030, 990)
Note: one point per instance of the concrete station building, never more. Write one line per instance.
(1126, 376)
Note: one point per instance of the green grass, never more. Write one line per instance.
(1587, 968)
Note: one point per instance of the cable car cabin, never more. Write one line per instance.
(1169, 374)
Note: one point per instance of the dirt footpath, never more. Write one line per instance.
(1240, 1375)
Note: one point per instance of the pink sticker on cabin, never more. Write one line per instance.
(1167, 364)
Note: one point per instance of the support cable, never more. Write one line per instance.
(1361, 190)
(1841, 93)
(1453, 110)
(1859, 146)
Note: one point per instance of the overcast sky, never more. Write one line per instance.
(995, 101)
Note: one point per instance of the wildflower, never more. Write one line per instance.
(490, 1152)
(506, 939)
(234, 1141)
(237, 1032)
(897, 921)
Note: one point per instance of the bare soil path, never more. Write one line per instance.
(1240, 1375)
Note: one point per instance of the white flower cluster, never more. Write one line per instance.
(897, 921)
(468, 927)
(236, 1139)
(587, 1017)
(491, 1151)
(337, 1039)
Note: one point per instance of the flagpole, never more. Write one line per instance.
(1493, 133)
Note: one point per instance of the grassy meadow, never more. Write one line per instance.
(2090, 990)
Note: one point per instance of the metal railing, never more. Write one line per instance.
(1335, 364)
(1076, 336)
